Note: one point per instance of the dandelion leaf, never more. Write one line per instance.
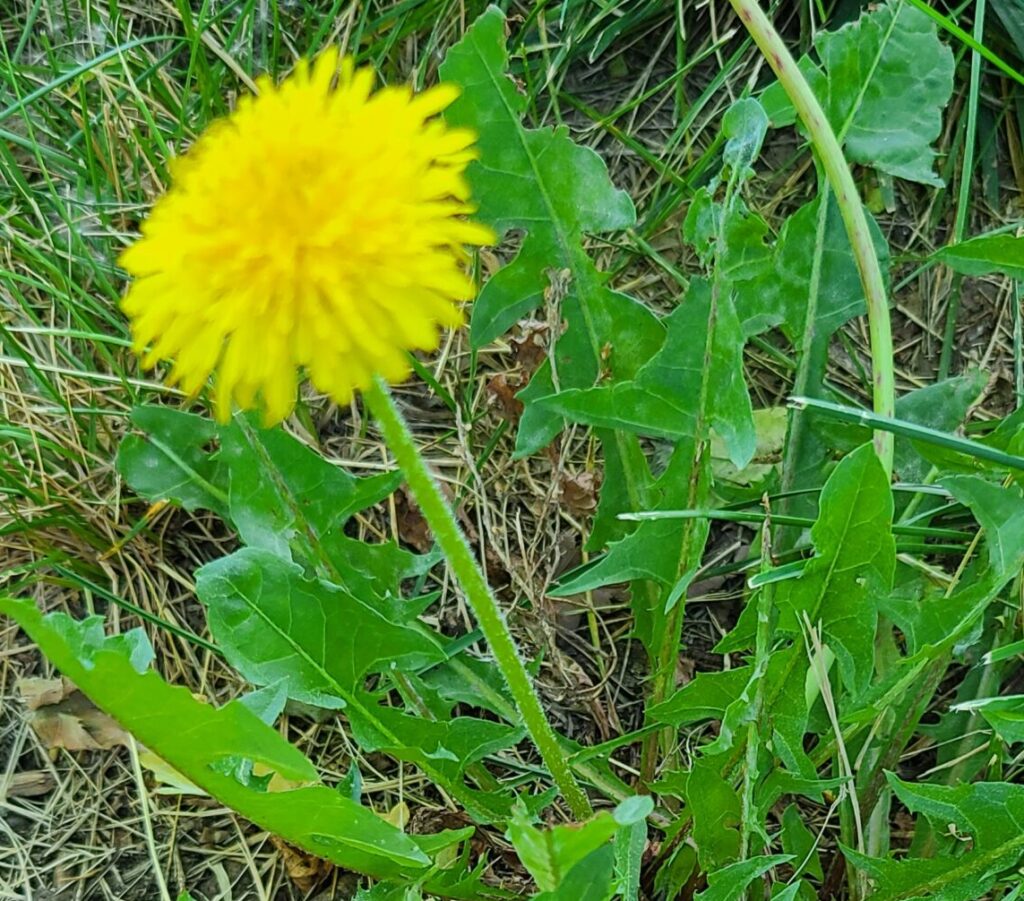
(988, 821)
(730, 883)
(552, 854)
(278, 493)
(540, 182)
(197, 739)
(883, 81)
(532, 179)
(840, 590)
(985, 254)
(853, 566)
(276, 625)
(171, 459)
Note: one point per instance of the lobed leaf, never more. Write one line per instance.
(278, 493)
(991, 814)
(883, 82)
(551, 854)
(320, 641)
(730, 883)
(274, 625)
(198, 739)
(985, 254)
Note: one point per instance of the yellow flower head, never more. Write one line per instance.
(318, 227)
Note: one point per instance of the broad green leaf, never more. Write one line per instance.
(659, 554)
(282, 492)
(702, 356)
(550, 854)
(651, 551)
(630, 842)
(941, 405)
(815, 282)
(1000, 512)
(705, 697)
(607, 339)
(939, 622)
(959, 455)
(715, 807)
(540, 181)
(267, 702)
(884, 81)
(279, 494)
(840, 589)
(478, 683)
(781, 782)
(787, 707)
(675, 872)
(984, 254)
(816, 287)
(321, 638)
(744, 125)
(990, 814)
(370, 570)
(534, 179)
(730, 883)
(173, 460)
(442, 749)
(889, 78)
(694, 385)
(592, 879)
(464, 880)
(195, 738)
(1004, 714)
(627, 485)
(770, 426)
(664, 400)
(801, 843)
(276, 625)
(853, 565)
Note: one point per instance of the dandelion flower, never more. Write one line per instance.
(319, 228)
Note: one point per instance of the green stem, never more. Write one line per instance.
(756, 726)
(963, 203)
(852, 210)
(469, 575)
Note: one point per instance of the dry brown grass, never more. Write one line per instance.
(78, 824)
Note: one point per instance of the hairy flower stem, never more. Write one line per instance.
(838, 173)
(485, 608)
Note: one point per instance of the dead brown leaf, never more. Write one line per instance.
(37, 692)
(503, 395)
(305, 870)
(579, 492)
(530, 344)
(29, 784)
(412, 527)
(65, 718)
